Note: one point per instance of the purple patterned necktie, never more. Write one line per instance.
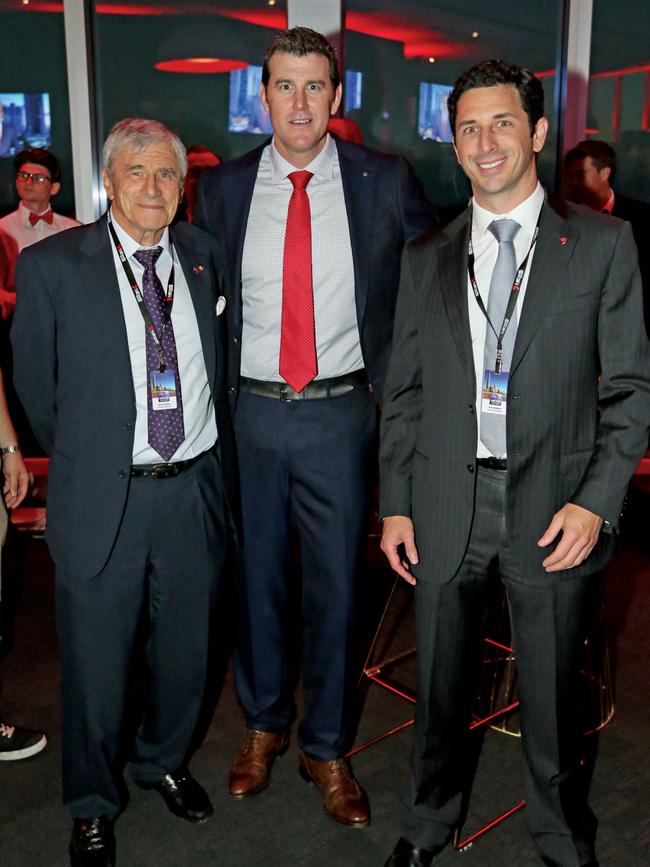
(165, 426)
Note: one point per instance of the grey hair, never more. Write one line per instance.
(140, 133)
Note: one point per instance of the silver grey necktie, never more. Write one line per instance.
(493, 425)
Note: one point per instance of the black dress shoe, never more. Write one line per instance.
(183, 795)
(407, 855)
(92, 843)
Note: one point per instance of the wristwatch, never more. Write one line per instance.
(9, 450)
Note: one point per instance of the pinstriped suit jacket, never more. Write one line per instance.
(571, 437)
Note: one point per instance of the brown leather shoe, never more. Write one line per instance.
(343, 798)
(251, 772)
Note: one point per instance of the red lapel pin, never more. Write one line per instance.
(197, 269)
(563, 241)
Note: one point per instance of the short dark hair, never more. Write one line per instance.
(602, 154)
(40, 157)
(491, 73)
(300, 41)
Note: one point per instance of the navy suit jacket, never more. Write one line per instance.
(72, 372)
(386, 207)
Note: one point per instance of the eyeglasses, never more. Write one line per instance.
(32, 176)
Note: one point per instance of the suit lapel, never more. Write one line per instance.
(98, 277)
(452, 259)
(195, 263)
(555, 245)
(359, 190)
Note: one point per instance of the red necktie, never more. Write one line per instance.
(47, 217)
(298, 339)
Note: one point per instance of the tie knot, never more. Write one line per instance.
(148, 256)
(504, 230)
(300, 179)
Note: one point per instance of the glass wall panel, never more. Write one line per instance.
(34, 95)
(411, 52)
(619, 90)
(194, 66)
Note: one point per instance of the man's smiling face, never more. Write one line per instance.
(495, 147)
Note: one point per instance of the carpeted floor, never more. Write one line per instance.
(285, 825)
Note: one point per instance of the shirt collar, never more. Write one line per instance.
(129, 245)
(25, 212)
(322, 165)
(526, 214)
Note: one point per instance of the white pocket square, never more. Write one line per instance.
(221, 305)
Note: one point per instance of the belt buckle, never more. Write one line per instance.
(159, 471)
(283, 393)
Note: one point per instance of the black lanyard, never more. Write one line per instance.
(169, 295)
(512, 300)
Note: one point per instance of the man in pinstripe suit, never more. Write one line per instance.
(523, 480)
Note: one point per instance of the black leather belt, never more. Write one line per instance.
(317, 389)
(165, 471)
(492, 463)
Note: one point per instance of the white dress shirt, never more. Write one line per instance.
(198, 409)
(17, 226)
(338, 346)
(486, 248)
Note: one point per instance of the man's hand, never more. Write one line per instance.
(580, 529)
(16, 479)
(398, 530)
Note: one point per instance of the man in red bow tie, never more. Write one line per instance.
(38, 178)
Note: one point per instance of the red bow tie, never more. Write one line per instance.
(47, 217)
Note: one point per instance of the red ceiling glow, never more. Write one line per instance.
(630, 70)
(439, 50)
(200, 65)
(262, 17)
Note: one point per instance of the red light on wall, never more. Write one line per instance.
(200, 65)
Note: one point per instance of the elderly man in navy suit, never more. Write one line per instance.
(119, 342)
(312, 230)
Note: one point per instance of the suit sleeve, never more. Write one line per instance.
(402, 405)
(33, 339)
(624, 389)
(418, 215)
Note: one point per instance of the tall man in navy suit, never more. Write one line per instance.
(306, 441)
(119, 345)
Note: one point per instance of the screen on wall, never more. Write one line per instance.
(25, 122)
(433, 118)
(352, 92)
(245, 112)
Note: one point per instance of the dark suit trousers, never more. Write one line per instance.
(163, 571)
(550, 621)
(308, 464)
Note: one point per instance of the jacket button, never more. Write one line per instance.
(235, 340)
(231, 389)
(124, 474)
(516, 396)
(470, 468)
(471, 408)
(126, 426)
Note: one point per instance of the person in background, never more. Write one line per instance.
(38, 179)
(15, 742)
(199, 158)
(589, 170)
